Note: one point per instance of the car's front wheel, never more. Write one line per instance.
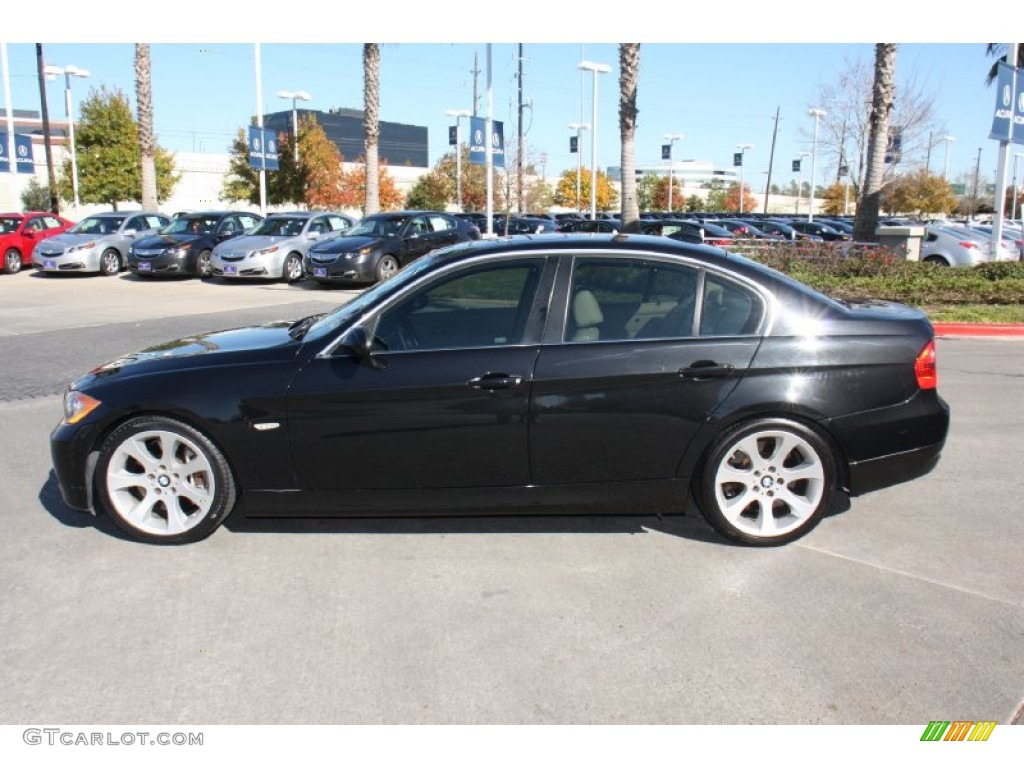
(163, 481)
(767, 482)
(12, 261)
(292, 270)
(387, 267)
(110, 263)
(204, 264)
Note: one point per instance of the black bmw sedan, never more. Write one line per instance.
(185, 246)
(381, 244)
(623, 373)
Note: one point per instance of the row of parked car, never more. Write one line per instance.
(331, 247)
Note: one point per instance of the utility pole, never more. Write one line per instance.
(519, 140)
(928, 156)
(476, 74)
(771, 160)
(40, 64)
(977, 175)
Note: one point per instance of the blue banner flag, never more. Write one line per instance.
(478, 144)
(1008, 115)
(262, 149)
(22, 151)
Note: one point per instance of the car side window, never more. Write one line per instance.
(419, 226)
(319, 225)
(229, 226)
(337, 223)
(137, 223)
(728, 309)
(49, 222)
(440, 223)
(476, 307)
(620, 299)
(246, 222)
(35, 224)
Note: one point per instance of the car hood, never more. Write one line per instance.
(345, 243)
(256, 242)
(166, 241)
(68, 240)
(204, 350)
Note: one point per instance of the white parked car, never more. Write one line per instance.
(960, 247)
(98, 243)
(276, 246)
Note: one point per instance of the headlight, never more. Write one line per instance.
(78, 405)
(180, 250)
(82, 247)
(265, 251)
(360, 252)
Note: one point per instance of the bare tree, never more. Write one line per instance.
(371, 125)
(844, 131)
(147, 140)
(883, 94)
(629, 74)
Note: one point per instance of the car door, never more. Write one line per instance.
(442, 403)
(644, 355)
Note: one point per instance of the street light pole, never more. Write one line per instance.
(69, 71)
(295, 95)
(817, 114)
(800, 189)
(671, 138)
(595, 69)
(949, 141)
(743, 156)
(579, 128)
(458, 114)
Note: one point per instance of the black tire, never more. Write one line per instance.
(936, 261)
(387, 267)
(291, 270)
(774, 466)
(110, 262)
(12, 261)
(152, 502)
(204, 264)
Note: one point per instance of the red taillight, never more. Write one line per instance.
(719, 242)
(925, 370)
(968, 244)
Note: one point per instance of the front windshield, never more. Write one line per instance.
(97, 225)
(334, 320)
(9, 224)
(278, 227)
(191, 225)
(378, 227)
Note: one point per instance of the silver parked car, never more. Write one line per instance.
(277, 245)
(959, 247)
(98, 243)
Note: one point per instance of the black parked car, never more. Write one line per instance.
(525, 374)
(185, 246)
(825, 231)
(381, 244)
(524, 225)
(685, 231)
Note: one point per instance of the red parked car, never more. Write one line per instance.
(19, 233)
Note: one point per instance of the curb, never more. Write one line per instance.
(984, 330)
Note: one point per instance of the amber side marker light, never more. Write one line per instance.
(925, 369)
(78, 405)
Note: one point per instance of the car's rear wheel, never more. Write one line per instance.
(767, 482)
(204, 264)
(936, 261)
(163, 481)
(387, 267)
(12, 261)
(292, 270)
(110, 262)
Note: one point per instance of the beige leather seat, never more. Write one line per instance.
(587, 315)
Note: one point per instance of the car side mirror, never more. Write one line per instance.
(313, 236)
(30, 234)
(130, 233)
(360, 344)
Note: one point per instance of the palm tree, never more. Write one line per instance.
(999, 50)
(371, 125)
(629, 73)
(147, 141)
(882, 96)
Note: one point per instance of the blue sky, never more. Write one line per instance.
(716, 94)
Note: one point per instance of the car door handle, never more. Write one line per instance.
(494, 381)
(707, 369)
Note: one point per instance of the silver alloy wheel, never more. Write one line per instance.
(110, 263)
(204, 264)
(12, 261)
(292, 268)
(770, 483)
(387, 267)
(160, 482)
